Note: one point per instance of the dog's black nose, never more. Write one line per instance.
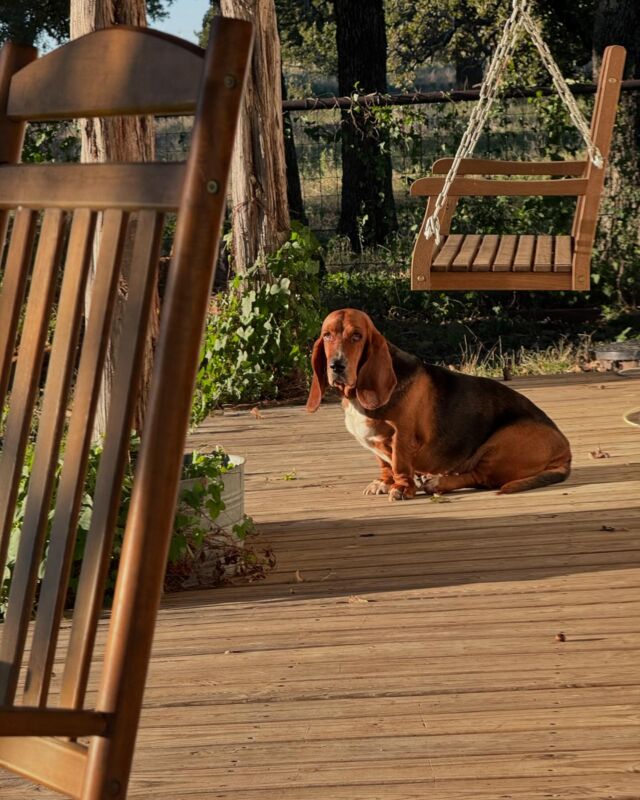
(337, 365)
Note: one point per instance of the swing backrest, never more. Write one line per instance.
(51, 365)
(521, 262)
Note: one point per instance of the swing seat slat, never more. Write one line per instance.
(509, 253)
(529, 261)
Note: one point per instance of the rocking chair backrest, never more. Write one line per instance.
(50, 214)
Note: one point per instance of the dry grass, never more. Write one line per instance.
(563, 356)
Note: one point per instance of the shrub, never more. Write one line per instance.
(204, 500)
(255, 342)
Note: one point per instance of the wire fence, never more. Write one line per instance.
(417, 135)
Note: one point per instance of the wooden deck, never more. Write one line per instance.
(404, 651)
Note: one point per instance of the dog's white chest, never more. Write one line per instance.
(358, 426)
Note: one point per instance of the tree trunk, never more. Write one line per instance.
(469, 73)
(260, 215)
(294, 189)
(368, 213)
(117, 139)
(618, 22)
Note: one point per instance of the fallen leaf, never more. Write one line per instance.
(560, 637)
(255, 411)
(599, 453)
(357, 599)
(607, 528)
(438, 498)
(299, 578)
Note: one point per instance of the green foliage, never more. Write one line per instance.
(457, 32)
(27, 21)
(201, 503)
(256, 337)
(200, 507)
(308, 41)
(31, 21)
(50, 142)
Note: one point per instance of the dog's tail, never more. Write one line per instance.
(545, 478)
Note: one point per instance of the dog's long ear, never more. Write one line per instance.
(376, 378)
(319, 382)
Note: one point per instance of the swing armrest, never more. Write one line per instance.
(484, 166)
(480, 187)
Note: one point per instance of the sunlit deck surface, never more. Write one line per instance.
(408, 651)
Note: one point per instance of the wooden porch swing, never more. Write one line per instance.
(445, 261)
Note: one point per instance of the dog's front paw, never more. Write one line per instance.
(401, 492)
(377, 487)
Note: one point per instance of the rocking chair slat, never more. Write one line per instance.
(23, 397)
(14, 282)
(62, 362)
(92, 357)
(109, 480)
(52, 415)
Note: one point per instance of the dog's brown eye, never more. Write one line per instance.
(327, 335)
(356, 337)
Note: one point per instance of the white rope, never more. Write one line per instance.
(562, 88)
(519, 18)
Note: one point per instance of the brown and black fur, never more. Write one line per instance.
(449, 430)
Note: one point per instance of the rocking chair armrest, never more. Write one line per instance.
(483, 166)
(480, 187)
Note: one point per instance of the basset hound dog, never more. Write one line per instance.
(429, 427)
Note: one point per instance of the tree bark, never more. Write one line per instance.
(294, 189)
(368, 213)
(260, 214)
(117, 139)
(469, 73)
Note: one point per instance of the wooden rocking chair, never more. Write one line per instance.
(491, 262)
(53, 211)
